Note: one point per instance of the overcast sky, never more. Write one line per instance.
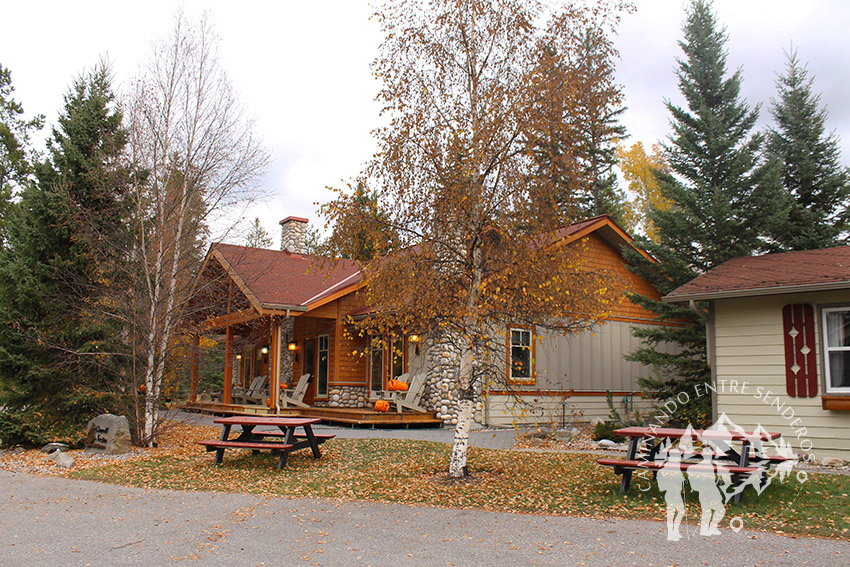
(302, 70)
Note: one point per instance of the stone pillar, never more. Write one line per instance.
(293, 235)
(441, 391)
(287, 331)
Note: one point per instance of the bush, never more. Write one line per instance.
(64, 420)
(605, 430)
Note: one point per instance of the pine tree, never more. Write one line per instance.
(59, 353)
(15, 153)
(818, 186)
(258, 236)
(723, 201)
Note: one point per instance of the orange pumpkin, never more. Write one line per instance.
(392, 385)
(382, 405)
(402, 386)
(269, 403)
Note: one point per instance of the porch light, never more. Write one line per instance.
(413, 338)
(264, 350)
(238, 357)
(292, 345)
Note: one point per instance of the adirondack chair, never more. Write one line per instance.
(255, 394)
(296, 398)
(375, 395)
(410, 399)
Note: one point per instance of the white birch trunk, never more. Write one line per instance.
(460, 448)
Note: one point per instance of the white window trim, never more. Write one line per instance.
(530, 379)
(828, 388)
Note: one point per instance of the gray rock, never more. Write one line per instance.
(53, 447)
(563, 435)
(606, 443)
(18, 450)
(832, 462)
(63, 460)
(108, 435)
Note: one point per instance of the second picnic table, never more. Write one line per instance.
(739, 460)
(281, 442)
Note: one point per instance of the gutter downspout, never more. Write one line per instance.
(710, 341)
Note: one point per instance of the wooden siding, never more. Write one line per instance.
(596, 254)
(750, 348)
(344, 366)
(509, 410)
(352, 367)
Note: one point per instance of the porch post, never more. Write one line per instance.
(274, 366)
(228, 366)
(193, 373)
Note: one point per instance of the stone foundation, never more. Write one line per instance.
(347, 397)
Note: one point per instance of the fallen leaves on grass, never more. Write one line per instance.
(414, 472)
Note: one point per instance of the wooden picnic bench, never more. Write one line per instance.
(650, 457)
(251, 438)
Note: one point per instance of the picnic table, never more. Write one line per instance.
(280, 441)
(650, 448)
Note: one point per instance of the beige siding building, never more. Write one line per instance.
(779, 341)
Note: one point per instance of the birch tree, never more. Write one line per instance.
(466, 202)
(190, 134)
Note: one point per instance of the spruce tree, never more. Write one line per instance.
(59, 350)
(722, 202)
(818, 186)
(15, 153)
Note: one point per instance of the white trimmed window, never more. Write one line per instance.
(521, 356)
(836, 330)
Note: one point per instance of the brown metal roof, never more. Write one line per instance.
(788, 272)
(280, 279)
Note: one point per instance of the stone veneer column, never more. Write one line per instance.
(293, 235)
(287, 327)
(441, 385)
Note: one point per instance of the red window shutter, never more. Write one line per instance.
(798, 325)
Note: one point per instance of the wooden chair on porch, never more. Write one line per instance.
(256, 393)
(411, 398)
(296, 398)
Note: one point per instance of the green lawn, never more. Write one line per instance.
(413, 472)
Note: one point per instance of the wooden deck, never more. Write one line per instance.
(355, 417)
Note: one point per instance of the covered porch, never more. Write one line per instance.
(280, 319)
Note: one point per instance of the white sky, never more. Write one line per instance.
(302, 70)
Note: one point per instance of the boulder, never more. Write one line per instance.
(108, 434)
(832, 462)
(62, 460)
(53, 447)
(607, 443)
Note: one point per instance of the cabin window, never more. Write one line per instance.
(520, 356)
(387, 359)
(376, 364)
(322, 367)
(398, 351)
(836, 330)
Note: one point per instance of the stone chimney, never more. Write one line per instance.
(293, 235)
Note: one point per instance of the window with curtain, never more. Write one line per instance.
(836, 329)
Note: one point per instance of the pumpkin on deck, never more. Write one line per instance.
(382, 405)
(396, 385)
